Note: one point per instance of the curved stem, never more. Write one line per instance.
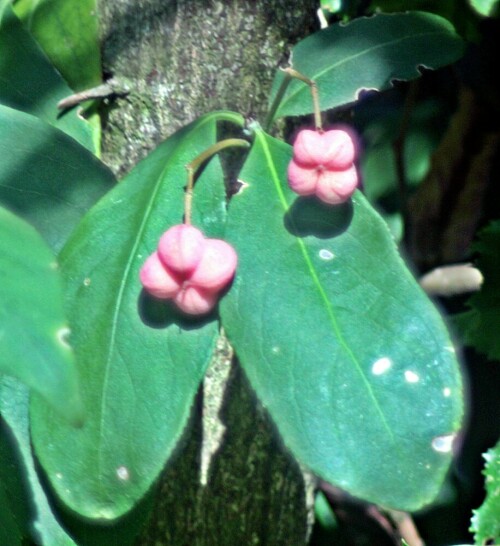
(314, 94)
(195, 164)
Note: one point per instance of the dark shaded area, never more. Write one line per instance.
(253, 483)
(309, 216)
(358, 523)
(157, 313)
(16, 510)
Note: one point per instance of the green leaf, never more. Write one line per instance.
(369, 53)
(15, 513)
(486, 519)
(68, 32)
(30, 83)
(486, 8)
(379, 122)
(341, 345)
(46, 176)
(33, 328)
(332, 6)
(140, 361)
(14, 399)
(481, 325)
(323, 512)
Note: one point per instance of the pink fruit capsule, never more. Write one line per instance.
(216, 267)
(333, 149)
(181, 248)
(189, 269)
(336, 187)
(323, 165)
(195, 301)
(157, 279)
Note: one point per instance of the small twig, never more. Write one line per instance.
(323, 23)
(111, 88)
(452, 280)
(406, 527)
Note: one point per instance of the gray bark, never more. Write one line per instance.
(182, 59)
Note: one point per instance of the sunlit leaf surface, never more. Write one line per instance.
(368, 53)
(47, 177)
(29, 82)
(342, 347)
(33, 328)
(140, 361)
(68, 32)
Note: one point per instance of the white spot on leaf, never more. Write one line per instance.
(123, 473)
(86, 281)
(242, 186)
(446, 392)
(411, 377)
(63, 336)
(381, 365)
(325, 254)
(443, 444)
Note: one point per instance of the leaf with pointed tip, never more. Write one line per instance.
(68, 32)
(32, 322)
(47, 177)
(368, 53)
(486, 519)
(30, 83)
(486, 8)
(341, 345)
(140, 361)
(14, 403)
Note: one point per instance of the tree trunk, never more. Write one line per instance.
(182, 59)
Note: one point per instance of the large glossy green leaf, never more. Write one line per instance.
(30, 83)
(140, 361)
(39, 518)
(46, 176)
(486, 519)
(342, 347)
(33, 328)
(67, 31)
(368, 53)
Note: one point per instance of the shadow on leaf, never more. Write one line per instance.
(158, 314)
(308, 216)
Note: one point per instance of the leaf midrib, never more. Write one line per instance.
(123, 284)
(214, 117)
(329, 308)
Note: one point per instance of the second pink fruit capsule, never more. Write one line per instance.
(323, 165)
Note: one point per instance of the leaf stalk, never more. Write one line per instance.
(193, 166)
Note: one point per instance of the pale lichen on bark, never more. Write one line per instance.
(181, 59)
